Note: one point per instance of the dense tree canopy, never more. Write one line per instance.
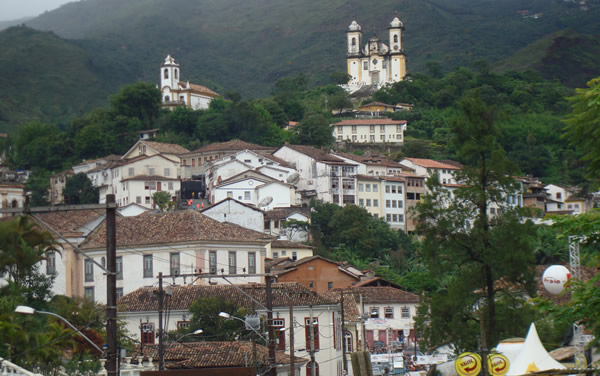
(476, 251)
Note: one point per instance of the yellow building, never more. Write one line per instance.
(376, 108)
(370, 195)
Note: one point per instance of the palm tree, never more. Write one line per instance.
(23, 244)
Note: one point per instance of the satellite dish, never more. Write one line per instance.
(265, 201)
(293, 178)
(554, 279)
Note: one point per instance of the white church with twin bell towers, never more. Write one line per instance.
(376, 64)
(176, 93)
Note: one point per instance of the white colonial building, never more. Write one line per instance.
(252, 187)
(375, 63)
(369, 131)
(175, 243)
(234, 211)
(429, 167)
(321, 175)
(176, 93)
(138, 310)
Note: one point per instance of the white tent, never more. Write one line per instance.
(532, 357)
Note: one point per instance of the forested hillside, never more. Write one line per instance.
(242, 46)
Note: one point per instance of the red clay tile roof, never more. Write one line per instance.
(377, 104)
(149, 178)
(173, 227)
(376, 160)
(283, 213)
(351, 304)
(367, 177)
(430, 163)
(165, 148)
(68, 221)
(393, 178)
(233, 146)
(198, 88)
(108, 158)
(145, 299)
(212, 354)
(383, 295)
(369, 122)
(317, 154)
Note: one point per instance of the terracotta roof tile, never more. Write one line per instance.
(233, 146)
(430, 163)
(149, 178)
(198, 88)
(369, 122)
(377, 160)
(383, 295)
(173, 227)
(317, 154)
(283, 213)
(69, 221)
(212, 354)
(145, 299)
(377, 104)
(165, 148)
(351, 304)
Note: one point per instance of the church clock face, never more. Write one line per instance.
(396, 47)
(374, 61)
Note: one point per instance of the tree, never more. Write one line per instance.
(39, 185)
(479, 256)
(339, 78)
(206, 317)
(582, 125)
(140, 100)
(22, 245)
(163, 200)
(80, 190)
(315, 130)
(294, 226)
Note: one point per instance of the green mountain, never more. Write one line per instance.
(45, 77)
(571, 57)
(245, 46)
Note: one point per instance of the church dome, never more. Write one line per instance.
(354, 26)
(396, 22)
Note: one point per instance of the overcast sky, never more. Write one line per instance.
(15, 9)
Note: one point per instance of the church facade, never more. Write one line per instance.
(375, 63)
(176, 93)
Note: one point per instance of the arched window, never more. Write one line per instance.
(348, 342)
(353, 42)
(15, 204)
(167, 98)
(166, 73)
(176, 74)
(396, 38)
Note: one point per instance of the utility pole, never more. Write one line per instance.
(269, 298)
(344, 360)
(292, 365)
(111, 286)
(161, 349)
(313, 369)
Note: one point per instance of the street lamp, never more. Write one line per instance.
(25, 310)
(248, 325)
(195, 332)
